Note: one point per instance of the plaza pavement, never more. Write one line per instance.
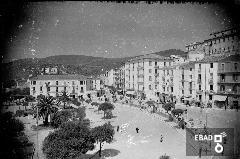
(145, 144)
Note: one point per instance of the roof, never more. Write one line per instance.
(188, 64)
(231, 58)
(59, 77)
(150, 56)
(213, 58)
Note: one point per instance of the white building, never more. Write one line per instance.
(54, 85)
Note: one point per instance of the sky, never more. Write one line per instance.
(110, 29)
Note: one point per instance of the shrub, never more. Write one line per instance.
(19, 113)
(168, 106)
(209, 105)
(88, 101)
(181, 124)
(177, 112)
(164, 157)
(76, 102)
(170, 117)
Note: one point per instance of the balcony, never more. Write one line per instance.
(156, 74)
(199, 91)
(199, 81)
(210, 91)
(210, 81)
(140, 76)
(140, 68)
(228, 92)
(140, 82)
(228, 71)
(157, 67)
(223, 81)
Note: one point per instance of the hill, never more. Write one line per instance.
(68, 64)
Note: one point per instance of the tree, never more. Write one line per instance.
(102, 134)
(70, 140)
(64, 98)
(168, 106)
(151, 103)
(105, 107)
(177, 112)
(60, 117)
(46, 106)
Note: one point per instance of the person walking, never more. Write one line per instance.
(117, 128)
(161, 138)
(137, 129)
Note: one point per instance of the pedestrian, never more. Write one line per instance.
(117, 128)
(137, 129)
(161, 139)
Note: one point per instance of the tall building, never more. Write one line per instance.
(223, 42)
(142, 74)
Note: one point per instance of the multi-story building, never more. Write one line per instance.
(54, 85)
(187, 82)
(223, 42)
(122, 78)
(142, 74)
(228, 80)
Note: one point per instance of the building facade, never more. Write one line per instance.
(54, 85)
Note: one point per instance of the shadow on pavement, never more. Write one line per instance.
(110, 152)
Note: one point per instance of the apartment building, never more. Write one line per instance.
(223, 42)
(228, 80)
(54, 85)
(142, 74)
(122, 78)
(187, 82)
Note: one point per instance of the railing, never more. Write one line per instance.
(139, 67)
(140, 82)
(157, 67)
(199, 91)
(140, 75)
(231, 81)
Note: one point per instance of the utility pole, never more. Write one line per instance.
(37, 133)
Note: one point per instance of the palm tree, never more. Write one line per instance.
(46, 106)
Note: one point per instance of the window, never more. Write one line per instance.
(164, 63)
(190, 91)
(81, 82)
(81, 89)
(48, 89)
(150, 63)
(190, 76)
(183, 77)
(210, 97)
(222, 88)
(211, 87)
(211, 65)
(222, 78)
(171, 89)
(150, 87)
(72, 82)
(56, 82)
(150, 70)
(200, 97)
(56, 89)
(41, 88)
(190, 69)
(155, 71)
(167, 72)
(199, 66)
(235, 77)
(33, 88)
(182, 84)
(65, 88)
(163, 89)
(211, 76)
(34, 82)
(155, 63)
(182, 91)
(234, 88)
(150, 78)
(155, 86)
(199, 87)
(222, 67)
(235, 66)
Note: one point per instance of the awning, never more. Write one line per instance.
(219, 98)
(131, 92)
